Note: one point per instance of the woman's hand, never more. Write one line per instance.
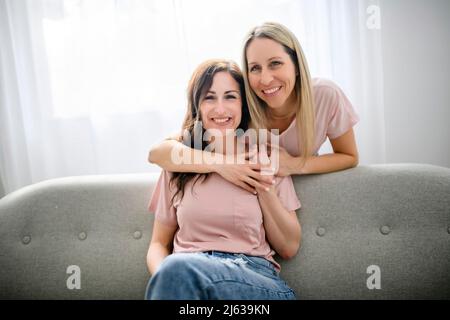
(245, 170)
(282, 162)
(247, 176)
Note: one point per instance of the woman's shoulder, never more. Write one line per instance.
(328, 95)
(324, 86)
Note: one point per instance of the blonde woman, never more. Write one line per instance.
(281, 95)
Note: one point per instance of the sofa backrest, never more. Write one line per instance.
(372, 232)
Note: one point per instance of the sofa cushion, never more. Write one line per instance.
(381, 222)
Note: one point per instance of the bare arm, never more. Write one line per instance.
(160, 245)
(174, 156)
(345, 156)
(283, 230)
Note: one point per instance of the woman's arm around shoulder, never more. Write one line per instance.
(172, 155)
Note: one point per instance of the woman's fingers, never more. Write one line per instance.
(249, 176)
(256, 184)
(266, 180)
(245, 186)
(254, 166)
(261, 173)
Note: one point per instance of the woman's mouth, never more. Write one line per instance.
(223, 121)
(271, 92)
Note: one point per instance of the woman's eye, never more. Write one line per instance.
(254, 68)
(230, 97)
(209, 97)
(275, 63)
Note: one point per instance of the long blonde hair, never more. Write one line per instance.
(303, 88)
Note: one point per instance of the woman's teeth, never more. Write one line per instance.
(270, 91)
(221, 120)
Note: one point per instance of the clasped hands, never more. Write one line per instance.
(258, 168)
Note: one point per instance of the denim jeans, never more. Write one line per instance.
(216, 275)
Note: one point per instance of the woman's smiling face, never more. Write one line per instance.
(271, 72)
(221, 106)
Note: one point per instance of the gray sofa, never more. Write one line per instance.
(372, 232)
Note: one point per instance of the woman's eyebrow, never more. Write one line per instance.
(275, 58)
(226, 92)
(272, 58)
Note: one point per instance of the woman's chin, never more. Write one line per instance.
(274, 103)
(222, 130)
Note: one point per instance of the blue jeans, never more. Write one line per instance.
(215, 275)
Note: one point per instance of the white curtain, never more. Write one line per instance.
(87, 87)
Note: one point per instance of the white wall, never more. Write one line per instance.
(416, 53)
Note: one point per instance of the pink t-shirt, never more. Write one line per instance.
(218, 215)
(334, 117)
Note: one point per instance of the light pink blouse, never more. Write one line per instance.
(217, 215)
(334, 117)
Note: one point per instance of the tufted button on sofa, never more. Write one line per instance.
(371, 232)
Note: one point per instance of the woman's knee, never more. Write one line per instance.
(180, 265)
(178, 277)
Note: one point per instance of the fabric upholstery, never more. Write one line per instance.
(396, 217)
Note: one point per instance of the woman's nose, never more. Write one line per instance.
(266, 78)
(220, 106)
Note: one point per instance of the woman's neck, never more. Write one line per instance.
(284, 113)
(279, 115)
(226, 144)
(280, 118)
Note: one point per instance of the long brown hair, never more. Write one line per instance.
(200, 83)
